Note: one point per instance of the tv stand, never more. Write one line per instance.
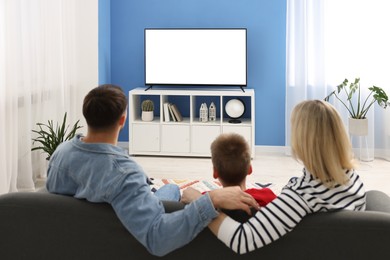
(189, 137)
(151, 86)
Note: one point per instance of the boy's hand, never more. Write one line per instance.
(189, 195)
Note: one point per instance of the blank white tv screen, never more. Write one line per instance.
(195, 57)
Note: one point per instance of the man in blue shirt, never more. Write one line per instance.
(96, 169)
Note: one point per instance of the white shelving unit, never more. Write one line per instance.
(189, 137)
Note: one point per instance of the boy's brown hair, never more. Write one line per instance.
(103, 106)
(231, 158)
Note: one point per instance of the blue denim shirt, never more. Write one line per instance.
(105, 173)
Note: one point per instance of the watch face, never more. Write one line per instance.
(235, 108)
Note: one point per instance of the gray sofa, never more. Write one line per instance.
(48, 226)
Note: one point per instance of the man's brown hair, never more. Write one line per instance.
(103, 106)
(231, 157)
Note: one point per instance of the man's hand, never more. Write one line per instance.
(233, 198)
(189, 195)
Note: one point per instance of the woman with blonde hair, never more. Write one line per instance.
(329, 181)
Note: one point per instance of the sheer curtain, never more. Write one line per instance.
(330, 40)
(48, 62)
(305, 68)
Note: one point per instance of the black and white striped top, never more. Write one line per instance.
(301, 196)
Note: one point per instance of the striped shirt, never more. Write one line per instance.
(301, 196)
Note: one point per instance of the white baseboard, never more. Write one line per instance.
(272, 150)
(286, 150)
(259, 149)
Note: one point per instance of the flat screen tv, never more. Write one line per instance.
(201, 56)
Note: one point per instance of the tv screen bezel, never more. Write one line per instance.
(201, 84)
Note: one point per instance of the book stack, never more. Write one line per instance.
(172, 113)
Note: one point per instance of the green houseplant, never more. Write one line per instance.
(359, 109)
(357, 106)
(49, 137)
(147, 107)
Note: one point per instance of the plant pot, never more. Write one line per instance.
(147, 116)
(43, 174)
(358, 127)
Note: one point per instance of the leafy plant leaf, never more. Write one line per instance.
(50, 137)
(359, 109)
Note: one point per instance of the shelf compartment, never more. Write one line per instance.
(197, 102)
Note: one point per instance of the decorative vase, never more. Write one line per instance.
(147, 116)
(358, 127)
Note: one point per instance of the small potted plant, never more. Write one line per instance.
(50, 137)
(147, 107)
(358, 107)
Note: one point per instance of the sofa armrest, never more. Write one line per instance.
(378, 201)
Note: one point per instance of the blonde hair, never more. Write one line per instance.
(320, 142)
(231, 157)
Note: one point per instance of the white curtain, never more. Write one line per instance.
(330, 40)
(48, 51)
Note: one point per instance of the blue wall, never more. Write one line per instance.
(104, 41)
(266, 24)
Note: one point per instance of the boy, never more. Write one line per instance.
(231, 158)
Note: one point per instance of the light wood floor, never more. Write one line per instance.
(274, 168)
(267, 168)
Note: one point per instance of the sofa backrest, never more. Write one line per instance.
(49, 226)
